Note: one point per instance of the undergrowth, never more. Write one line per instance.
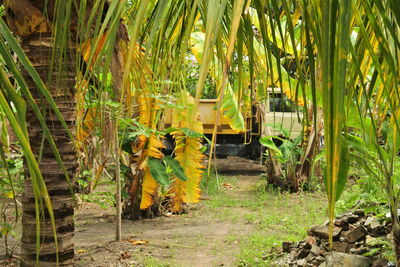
(276, 216)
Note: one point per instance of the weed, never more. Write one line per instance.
(153, 262)
(279, 217)
(11, 185)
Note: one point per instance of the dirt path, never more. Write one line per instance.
(242, 224)
(206, 236)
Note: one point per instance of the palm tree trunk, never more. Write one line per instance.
(38, 50)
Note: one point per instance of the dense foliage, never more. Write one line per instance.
(131, 61)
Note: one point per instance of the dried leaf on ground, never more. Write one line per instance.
(124, 255)
(135, 242)
(227, 186)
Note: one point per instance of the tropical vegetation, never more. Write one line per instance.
(85, 85)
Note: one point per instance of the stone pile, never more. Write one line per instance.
(357, 241)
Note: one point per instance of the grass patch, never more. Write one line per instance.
(154, 262)
(212, 185)
(277, 216)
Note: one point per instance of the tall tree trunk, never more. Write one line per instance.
(39, 49)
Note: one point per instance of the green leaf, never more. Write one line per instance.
(279, 127)
(231, 110)
(269, 143)
(190, 133)
(158, 171)
(343, 170)
(356, 143)
(126, 147)
(176, 168)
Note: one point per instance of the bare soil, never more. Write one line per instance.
(197, 238)
(211, 233)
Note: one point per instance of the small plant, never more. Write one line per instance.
(11, 184)
(103, 199)
(285, 152)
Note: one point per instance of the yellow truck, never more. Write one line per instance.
(279, 110)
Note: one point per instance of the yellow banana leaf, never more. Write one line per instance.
(149, 189)
(84, 129)
(188, 153)
(190, 157)
(145, 147)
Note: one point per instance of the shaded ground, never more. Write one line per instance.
(202, 237)
(238, 226)
(241, 224)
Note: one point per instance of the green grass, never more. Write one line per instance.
(211, 185)
(153, 262)
(277, 217)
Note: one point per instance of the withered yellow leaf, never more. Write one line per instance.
(149, 189)
(135, 242)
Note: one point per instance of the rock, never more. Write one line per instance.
(339, 223)
(372, 241)
(352, 246)
(323, 252)
(303, 253)
(301, 262)
(387, 223)
(349, 218)
(356, 234)
(389, 216)
(359, 212)
(338, 259)
(352, 219)
(287, 246)
(323, 232)
(369, 220)
(340, 246)
(310, 257)
(315, 250)
(389, 237)
(361, 250)
(277, 250)
(379, 263)
(306, 245)
(311, 240)
(376, 228)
